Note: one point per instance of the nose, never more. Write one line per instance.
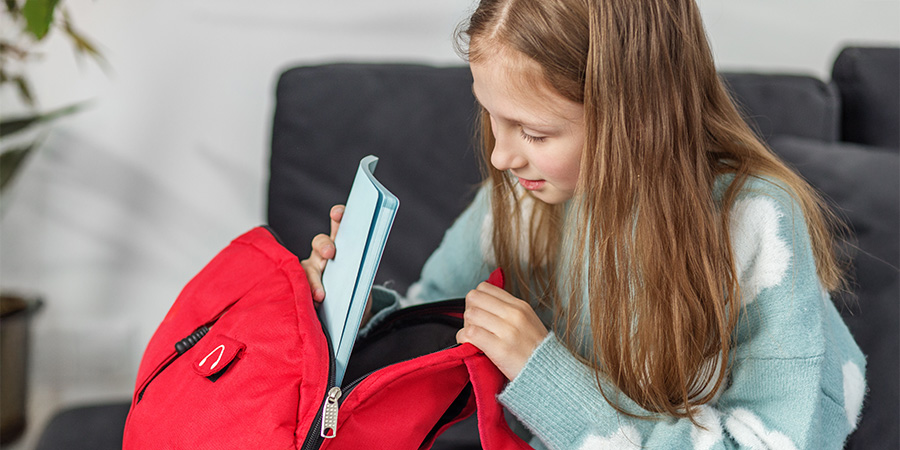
(505, 155)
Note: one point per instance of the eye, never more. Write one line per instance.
(530, 138)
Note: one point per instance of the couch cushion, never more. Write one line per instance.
(869, 83)
(863, 183)
(418, 120)
(794, 105)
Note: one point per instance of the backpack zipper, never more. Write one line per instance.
(330, 413)
(325, 424)
(336, 397)
(316, 433)
(159, 369)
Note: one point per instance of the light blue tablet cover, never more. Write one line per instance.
(359, 243)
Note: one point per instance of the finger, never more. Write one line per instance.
(508, 349)
(476, 317)
(314, 277)
(323, 245)
(479, 337)
(497, 292)
(494, 348)
(337, 213)
(506, 309)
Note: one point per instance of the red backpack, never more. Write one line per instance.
(242, 361)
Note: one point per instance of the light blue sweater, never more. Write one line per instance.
(797, 380)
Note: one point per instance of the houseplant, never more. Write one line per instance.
(25, 25)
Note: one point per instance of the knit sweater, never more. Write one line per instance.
(797, 376)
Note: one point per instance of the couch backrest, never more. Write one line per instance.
(786, 105)
(418, 120)
(869, 82)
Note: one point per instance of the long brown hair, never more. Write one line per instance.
(659, 129)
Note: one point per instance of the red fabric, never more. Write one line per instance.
(258, 378)
(271, 392)
(396, 407)
(496, 278)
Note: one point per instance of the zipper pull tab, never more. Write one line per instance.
(330, 413)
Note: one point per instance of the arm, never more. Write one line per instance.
(796, 380)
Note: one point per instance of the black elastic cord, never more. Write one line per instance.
(188, 342)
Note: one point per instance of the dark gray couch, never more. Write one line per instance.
(841, 135)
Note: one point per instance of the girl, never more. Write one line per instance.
(668, 275)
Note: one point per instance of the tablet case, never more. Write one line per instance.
(359, 243)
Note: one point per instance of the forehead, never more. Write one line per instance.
(512, 86)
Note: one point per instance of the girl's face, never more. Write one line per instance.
(539, 133)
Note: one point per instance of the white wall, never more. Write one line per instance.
(130, 198)
(798, 36)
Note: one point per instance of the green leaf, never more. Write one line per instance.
(24, 90)
(11, 161)
(39, 15)
(12, 126)
(82, 44)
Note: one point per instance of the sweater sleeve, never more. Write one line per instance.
(796, 379)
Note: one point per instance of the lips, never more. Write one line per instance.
(531, 185)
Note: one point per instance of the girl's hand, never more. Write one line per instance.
(504, 327)
(322, 250)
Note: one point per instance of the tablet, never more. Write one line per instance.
(359, 243)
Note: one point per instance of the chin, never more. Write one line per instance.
(551, 198)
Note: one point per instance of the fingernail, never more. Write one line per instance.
(328, 249)
(319, 294)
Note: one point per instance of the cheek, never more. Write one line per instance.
(564, 168)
